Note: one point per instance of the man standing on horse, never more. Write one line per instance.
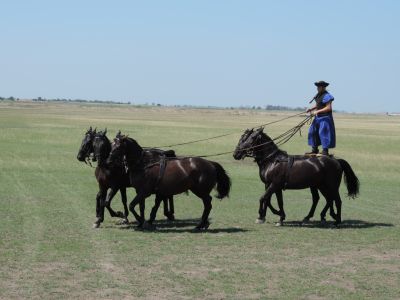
(322, 129)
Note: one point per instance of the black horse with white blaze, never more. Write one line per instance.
(280, 171)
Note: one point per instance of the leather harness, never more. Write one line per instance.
(290, 161)
(163, 164)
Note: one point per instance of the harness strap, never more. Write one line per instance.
(290, 161)
(288, 168)
(161, 171)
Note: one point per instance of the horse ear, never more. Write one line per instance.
(90, 129)
(94, 131)
(105, 131)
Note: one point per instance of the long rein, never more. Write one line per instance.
(226, 134)
(280, 140)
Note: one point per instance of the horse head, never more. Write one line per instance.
(86, 148)
(101, 146)
(248, 143)
(124, 147)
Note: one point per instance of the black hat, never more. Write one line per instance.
(321, 83)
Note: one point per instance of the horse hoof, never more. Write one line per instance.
(120, 214)
(199, 229)
(206, 225)
(148, 226)
(96, 225)
(323, 221)
(278, 224)
(305, 220)
(170, 218)
(260, 221)
(202, 227)
(123, 222)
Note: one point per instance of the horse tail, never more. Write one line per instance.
(350, 179)
(223, 181)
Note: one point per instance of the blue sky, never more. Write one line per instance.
(223, 53)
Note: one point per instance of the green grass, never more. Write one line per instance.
(48, 249)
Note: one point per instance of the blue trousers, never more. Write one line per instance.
(322, 132)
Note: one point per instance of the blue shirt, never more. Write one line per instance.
(327, 98)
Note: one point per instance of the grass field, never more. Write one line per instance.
(48, 249)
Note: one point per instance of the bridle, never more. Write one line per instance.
(88, 153)
(251, 150)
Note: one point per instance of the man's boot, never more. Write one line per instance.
(325, 151)
(314, 151)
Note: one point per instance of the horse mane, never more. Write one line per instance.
(265, 138)
(133, 146)
(130, 140)
(107, 149)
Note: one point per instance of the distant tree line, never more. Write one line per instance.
(247, 107)
(40, 99)
(11, 98)
(274, 107)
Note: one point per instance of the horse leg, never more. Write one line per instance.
(134, 202)
(107, 203)
(204, 224)
(273, 210)
(169, 208)
(338, 203)
(332, 211)
(155, 208)
(262, 211)
(96, 224)
(142, 209)
(315, 199)
(279, 197)
(101, 195)
(329, 204)
(171, 214)
(265, 201)
(165, 204)
(323, 212)
(124, 201)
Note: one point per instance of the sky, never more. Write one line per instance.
(208, 52)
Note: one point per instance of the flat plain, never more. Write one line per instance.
(48, 249)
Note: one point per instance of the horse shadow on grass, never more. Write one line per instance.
(181, 225)
(346, 224)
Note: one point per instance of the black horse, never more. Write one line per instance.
(280, 171)
(171, 177)
(113, 177)
(263, 205)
